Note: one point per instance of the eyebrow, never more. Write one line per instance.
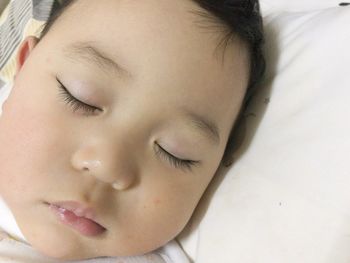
(205, 126)
(87, 52)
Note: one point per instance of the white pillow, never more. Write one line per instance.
(272, 6)
(286, 199)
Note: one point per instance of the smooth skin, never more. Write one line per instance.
(50, 153)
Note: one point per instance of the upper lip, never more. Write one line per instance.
(78, 209)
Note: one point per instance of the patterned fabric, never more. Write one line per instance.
(3, 4)
(17, 252)
(3, 235)
(19, 19)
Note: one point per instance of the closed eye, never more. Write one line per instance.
(73, 102)
(175, 161)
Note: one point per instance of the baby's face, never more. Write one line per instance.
(171, 89)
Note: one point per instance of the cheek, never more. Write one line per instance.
(172, 206)
(26, 142)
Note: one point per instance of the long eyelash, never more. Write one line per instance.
(73, 102)
(174, 161)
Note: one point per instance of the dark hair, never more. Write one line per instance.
(241, 18)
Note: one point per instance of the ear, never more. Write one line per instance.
(24, 50)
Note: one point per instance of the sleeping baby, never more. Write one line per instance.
(118, 118)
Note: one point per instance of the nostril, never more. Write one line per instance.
(344, 4)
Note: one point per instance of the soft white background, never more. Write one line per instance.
(287, 198)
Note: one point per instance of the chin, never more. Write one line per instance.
(55, 244)
(61, 252)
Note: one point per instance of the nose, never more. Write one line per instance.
(103, 162)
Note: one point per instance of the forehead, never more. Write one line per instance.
(163, 43)
(152, 29)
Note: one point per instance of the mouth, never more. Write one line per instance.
(78, 217)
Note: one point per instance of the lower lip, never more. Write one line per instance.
(83, 225)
